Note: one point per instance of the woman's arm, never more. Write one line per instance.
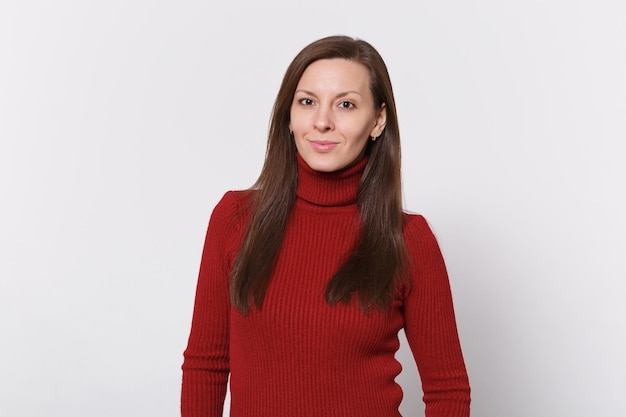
(206, 358)
(430, 326)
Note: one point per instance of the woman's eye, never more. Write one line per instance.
(306, 101)
(346, 105)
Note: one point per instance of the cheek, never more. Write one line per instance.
(298, 141)
(359, 137)
(297, 118)
(361, 146)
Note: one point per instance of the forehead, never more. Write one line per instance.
(335, 74)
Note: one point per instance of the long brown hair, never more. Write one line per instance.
(377, 262)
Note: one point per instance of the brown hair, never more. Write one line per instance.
(376, 264)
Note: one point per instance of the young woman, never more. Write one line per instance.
(307, 277)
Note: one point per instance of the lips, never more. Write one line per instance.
(323, 145)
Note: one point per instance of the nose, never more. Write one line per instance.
(323, 120)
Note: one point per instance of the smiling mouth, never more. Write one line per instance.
(323, 145)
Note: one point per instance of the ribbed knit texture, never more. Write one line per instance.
(299, 356)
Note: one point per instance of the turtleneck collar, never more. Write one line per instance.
(337, 188)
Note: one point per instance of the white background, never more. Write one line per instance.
(122, 123)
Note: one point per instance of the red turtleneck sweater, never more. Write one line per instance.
(299, 356)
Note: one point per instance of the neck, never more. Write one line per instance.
(338, 188)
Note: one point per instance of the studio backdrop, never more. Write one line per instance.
(122, 123)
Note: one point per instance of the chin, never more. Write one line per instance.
(321, 166)
(325, 163)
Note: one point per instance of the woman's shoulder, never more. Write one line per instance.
(415, 223)
(418, 232)
(234, 203)
(239, 198)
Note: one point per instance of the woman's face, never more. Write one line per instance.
(333, 114)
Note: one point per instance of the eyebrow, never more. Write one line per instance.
(344, 93)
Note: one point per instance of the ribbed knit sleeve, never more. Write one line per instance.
(430, 326)
(206, 358)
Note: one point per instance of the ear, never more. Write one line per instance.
(380, 122)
